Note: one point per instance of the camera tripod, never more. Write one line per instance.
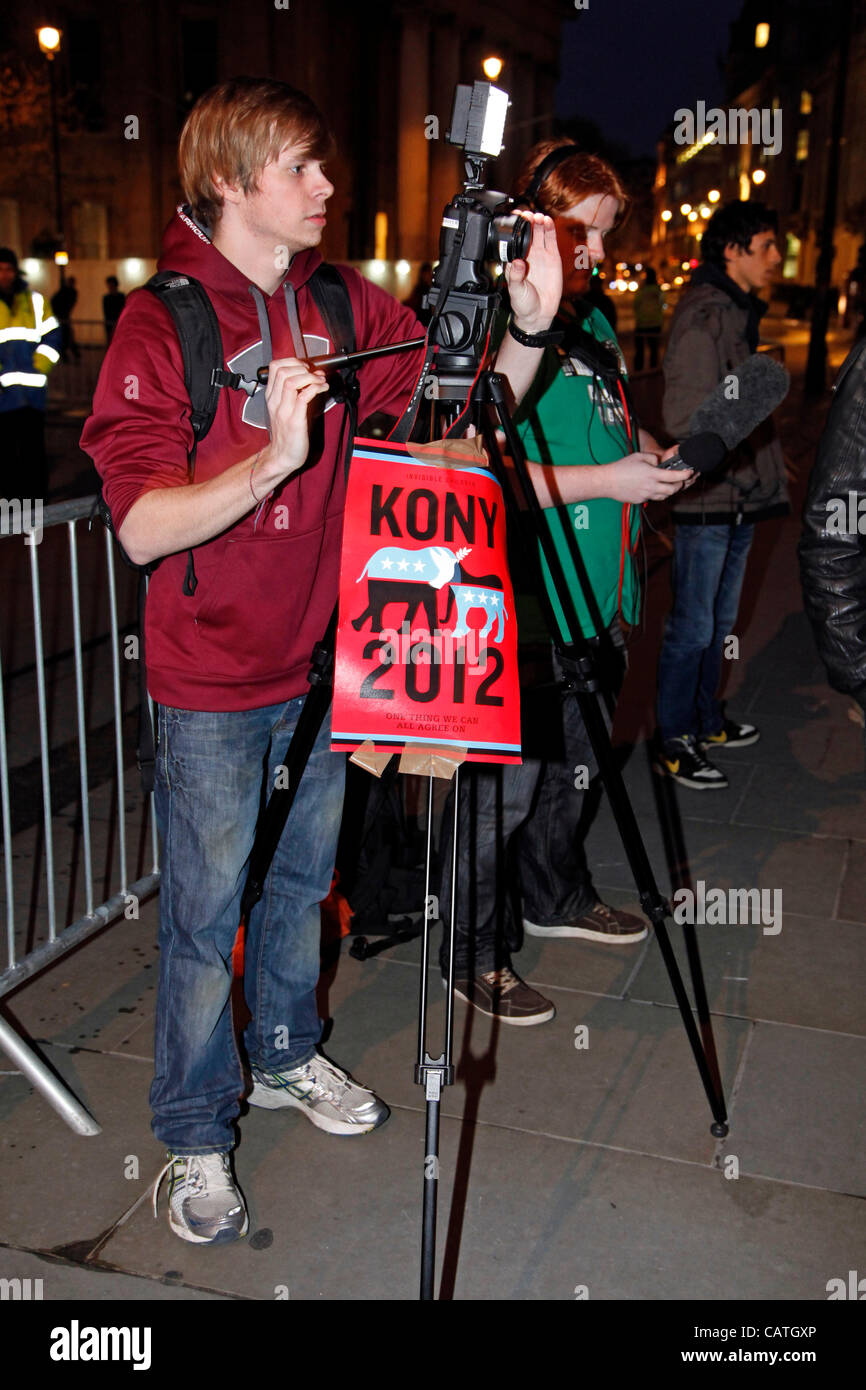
(464, 302)
(484, 396)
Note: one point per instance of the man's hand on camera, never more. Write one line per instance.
(638, 478)
(535, 285)
(290, 391)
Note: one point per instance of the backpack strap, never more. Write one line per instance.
(201, 346)
(331, 295)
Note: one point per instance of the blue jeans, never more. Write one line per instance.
(708, 568)
(519, 829)
(213, 772)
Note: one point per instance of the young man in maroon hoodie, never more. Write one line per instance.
(227, 665)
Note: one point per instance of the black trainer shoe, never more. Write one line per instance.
(502, 994)
(600, 923)
(682, 759)
(731, 735)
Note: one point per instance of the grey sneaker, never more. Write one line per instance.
(327, 1096)
(205, 1204)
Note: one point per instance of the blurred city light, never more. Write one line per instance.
(49, 40)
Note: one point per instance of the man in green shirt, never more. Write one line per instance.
(592, 468)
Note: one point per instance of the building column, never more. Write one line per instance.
(413, 150)
(445, 162)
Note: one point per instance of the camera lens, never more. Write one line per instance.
(509, 238)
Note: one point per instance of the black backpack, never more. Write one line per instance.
(205, 375)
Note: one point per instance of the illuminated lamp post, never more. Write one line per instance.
(49, 42)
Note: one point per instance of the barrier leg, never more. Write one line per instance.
(59, 1097)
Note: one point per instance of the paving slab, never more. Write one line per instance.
(64, 1190)
(851, 901)
(532, 1218)
(813, 974)
(99, 995)
(801, 1109)
(627, 1078)
(54, 1280)
(796, 799)
(808, 868)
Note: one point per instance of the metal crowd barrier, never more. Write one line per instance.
(43, 936)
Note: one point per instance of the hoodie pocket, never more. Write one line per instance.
(267, 603)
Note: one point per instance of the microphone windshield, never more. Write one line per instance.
(742, 400)
(703, 452)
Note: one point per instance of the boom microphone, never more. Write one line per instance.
(733, 411)
(742, 400)
(701, 452)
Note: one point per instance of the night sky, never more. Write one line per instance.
(628, 65)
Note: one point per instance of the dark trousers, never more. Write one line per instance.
(709, 565)
(23, 470)
(652, 337)
(521, 831)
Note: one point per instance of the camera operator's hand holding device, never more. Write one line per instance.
(478, 227)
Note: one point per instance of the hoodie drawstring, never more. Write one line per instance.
(294, 322)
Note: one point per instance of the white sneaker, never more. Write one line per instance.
(205, 1204)
(327, 1096)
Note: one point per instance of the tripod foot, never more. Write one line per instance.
(719, 1130)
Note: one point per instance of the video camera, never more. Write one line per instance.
(478, 227)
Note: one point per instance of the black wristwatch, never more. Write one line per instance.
(533, 340)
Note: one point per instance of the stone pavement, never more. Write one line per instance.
(562, 1166)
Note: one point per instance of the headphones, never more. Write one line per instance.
(543, 172)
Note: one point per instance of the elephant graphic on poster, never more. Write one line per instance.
(410, 577)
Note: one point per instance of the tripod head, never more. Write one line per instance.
(477, 229)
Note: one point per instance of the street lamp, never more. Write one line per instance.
(492, 67)
(758, 175)
(49, 42)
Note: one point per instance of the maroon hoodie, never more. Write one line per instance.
(266, 587)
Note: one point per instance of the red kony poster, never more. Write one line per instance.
(427, 638)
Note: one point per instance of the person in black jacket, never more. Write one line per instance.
(833, 544)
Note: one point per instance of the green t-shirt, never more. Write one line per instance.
(569, 419)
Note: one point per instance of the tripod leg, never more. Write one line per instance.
(434, 1073)
(652, 902)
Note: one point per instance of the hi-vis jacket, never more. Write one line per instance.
(29, 347)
